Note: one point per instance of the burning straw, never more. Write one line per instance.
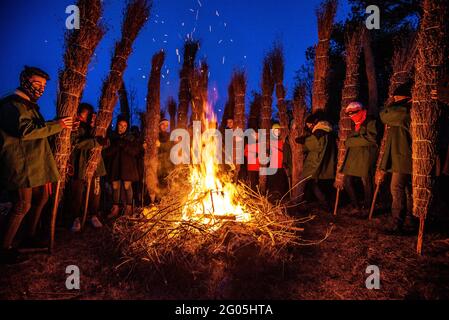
(152, 124)
(137, 13)
(431, 57)
(162, 234)
(325, 14)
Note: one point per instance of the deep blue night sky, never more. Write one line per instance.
(237, 33)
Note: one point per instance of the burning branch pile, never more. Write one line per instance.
(179, 229)
(204, 214)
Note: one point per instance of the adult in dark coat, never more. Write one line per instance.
(361, 153)
(320, 151)
(27, 166)
(397, 158)
(83, 142)
(123, 165)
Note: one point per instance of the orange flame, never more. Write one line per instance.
(212, 199)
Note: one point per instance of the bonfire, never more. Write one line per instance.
(205, 213)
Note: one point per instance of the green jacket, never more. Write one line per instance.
(320, 156)
(398, 147)
(26, 160)
(361, 150)
(82, 143)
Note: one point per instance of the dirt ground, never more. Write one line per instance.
(334, 269)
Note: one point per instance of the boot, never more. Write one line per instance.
(128, 210)
(114, 212)
(393, 228)
(410, 225)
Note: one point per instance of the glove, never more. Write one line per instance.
(380, 177)
(101, 141)
(339, 181)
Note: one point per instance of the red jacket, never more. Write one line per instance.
(252, 157)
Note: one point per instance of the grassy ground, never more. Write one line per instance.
(334, 269)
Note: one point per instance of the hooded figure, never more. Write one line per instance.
(320, 150)
(361, 155)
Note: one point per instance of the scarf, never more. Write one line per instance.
(27, 87)
(359, 118)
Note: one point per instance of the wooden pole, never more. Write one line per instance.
(86, 203)
(53, 217)
(373, 204)
(419, 244)
(337, 200)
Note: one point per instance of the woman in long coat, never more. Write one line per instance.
(123, 165)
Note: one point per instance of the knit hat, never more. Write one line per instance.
(322, 125)
(354, 107)
(276, 126)
(163, 120)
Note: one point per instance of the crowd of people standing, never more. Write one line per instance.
(28, 170)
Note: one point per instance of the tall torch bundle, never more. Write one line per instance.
(325, 14)
(152, 125)
(431, 58)
(136, 14)
(350, 94)
(80, 46)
